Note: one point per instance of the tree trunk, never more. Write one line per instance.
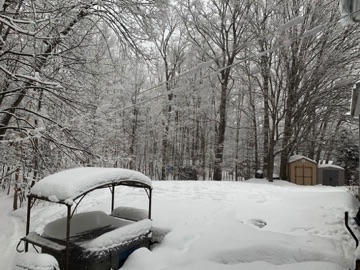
(16, 189)
(133, 139)
(288, 127)
(164, 153)
(266, 129)
(220, 136)
(271, 154)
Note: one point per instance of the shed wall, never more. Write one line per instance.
(303, 172)
(331, 176)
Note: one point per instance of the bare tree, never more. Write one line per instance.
(47, 64)
(219, 29)
(170, 44)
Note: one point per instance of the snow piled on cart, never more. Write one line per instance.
(67, 185)
(119, 236)
(86, 222)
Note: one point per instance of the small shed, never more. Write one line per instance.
(302, 170)
(331, 175)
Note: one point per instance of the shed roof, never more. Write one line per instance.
(70, 184)
(330, 166)
(299, 157)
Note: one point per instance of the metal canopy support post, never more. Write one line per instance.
(28, 222)
(349, 229)
(67, 252)
(150, 199)
(355, 112)
(112, 197)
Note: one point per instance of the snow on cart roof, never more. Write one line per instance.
(70, 184)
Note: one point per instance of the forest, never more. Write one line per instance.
(215, 89)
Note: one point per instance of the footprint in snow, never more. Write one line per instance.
(257, 222)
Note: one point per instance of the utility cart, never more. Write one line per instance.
(91, 240)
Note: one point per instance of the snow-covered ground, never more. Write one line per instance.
(220, 225)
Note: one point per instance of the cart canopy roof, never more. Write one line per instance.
(70, 184)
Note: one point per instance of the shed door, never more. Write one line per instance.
(330, 177)
(303, 175)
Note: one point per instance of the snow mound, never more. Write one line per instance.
(276, 253)
(35, 261)
(266, 182)
(257, 265)
(159, 234)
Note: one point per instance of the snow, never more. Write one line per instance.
(357, 253)
(330, 166)
(68, 184)
(34, 238)
(214, 225)
(2, 5)
(314, 30)
(8, 21)
(33, 261)
(345, 11)
(53, 198)
(130, 213)
(291, 23)
(202, 65)
(81, 223)
(299, 157)
(119, 236)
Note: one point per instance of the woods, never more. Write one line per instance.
(218, 88)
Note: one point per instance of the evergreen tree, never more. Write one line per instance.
(347, 154)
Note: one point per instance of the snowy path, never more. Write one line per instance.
(11, 230)
(221, 225)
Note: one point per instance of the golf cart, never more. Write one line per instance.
(90, 240)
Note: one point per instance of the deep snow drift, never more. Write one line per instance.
(220, 225)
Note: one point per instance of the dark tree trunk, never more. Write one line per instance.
(220, 136)
(285, 144)
(266, 130)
